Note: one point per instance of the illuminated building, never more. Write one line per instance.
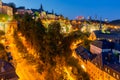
(21, 10)
(5, 9)
(6, 26)
(42, 14)
(102, 62)
(80, 17)
(107, 35)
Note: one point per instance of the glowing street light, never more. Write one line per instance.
(83, 67)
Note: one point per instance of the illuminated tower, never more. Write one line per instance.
(41, 8)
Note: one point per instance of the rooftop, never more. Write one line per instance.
(103, 44)
(85, 54)
(110, 35)
(8, 71)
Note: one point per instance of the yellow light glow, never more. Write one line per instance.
(2, 41)
(83, 67)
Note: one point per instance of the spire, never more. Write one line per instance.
(41, 8)
(100, 27)
(52, 11)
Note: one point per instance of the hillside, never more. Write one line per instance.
(44, 54)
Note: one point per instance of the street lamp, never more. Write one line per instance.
(83, 67)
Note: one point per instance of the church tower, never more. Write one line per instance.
(41, 8)
(52, 11)
(100, 27)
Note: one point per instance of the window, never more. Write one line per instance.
(114, 74)
(108, 71)
(96, 64)
(117, 76)
(105, 69)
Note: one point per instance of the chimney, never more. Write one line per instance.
(119, 58)
(109, 57)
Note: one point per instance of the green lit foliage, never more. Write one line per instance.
(37, 14)
(4, 17)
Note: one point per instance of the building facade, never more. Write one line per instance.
(100, 63)
(5, 9)
(7, 26)
(112, 36)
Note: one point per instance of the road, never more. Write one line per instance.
(24, 70)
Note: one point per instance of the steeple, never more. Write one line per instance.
(41, 8)
(100, 27)
(52, 11)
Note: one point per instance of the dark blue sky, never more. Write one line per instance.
(71, 8)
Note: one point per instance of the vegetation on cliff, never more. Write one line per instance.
(52, 54)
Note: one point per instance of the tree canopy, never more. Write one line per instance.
(52, 47)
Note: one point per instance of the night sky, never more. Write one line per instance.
(71, 8)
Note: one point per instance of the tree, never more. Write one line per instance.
(54, 28)
(2, 33)
(1, 47)
(54, 42)
(50, 45)
(2, 52)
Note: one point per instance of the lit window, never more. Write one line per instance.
(117, 76)
(114, 74)
(96, 64)
(105, 69)
(108, 71)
